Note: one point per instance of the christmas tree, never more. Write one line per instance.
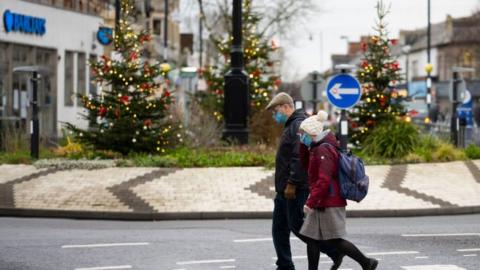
(132, 114)
(258, 65)
(379, 74)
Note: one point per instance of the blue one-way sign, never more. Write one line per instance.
(343, 91)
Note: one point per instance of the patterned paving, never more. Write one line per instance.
(155, 190)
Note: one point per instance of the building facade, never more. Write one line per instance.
(59, 36)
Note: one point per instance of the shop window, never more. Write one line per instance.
(3, 75)
(81, 77)
(68, 4)
(68, 91)
(93, 84)
(415, 71)
(20, 54)
(157, 27)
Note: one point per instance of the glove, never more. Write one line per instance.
(307, 210)
(289, 191)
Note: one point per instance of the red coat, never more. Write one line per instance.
(322, 163)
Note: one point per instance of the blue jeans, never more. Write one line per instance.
(288, 217)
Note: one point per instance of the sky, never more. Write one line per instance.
(354, 18)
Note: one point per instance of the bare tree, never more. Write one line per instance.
(279, 16)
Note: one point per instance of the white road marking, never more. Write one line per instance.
(433, 267)
(106, 267)
(206, 261)
(421, 257)
(227, 267)
(440, 234)
(106, 245)
(392, 253)
(252, 240)
(468, 249)
(470, 255)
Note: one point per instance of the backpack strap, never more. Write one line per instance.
(330, 187)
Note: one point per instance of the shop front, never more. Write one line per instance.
(58, 40)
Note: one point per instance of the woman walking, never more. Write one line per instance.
(325, 209)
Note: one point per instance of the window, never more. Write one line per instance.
(93, 83)
(81, 77)
(415, 70)
(69, 94)
(157, 27)
(3, 75)
(68, 4)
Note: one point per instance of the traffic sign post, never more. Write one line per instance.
(343, 92)
(456, 100)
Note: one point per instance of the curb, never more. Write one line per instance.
(139, 216)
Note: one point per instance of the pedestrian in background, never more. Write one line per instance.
(291, 189)
(325, 208)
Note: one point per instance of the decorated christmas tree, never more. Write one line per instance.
(379, 74)
(257, 52)
(131, 113)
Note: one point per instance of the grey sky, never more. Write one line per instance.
(353, 18)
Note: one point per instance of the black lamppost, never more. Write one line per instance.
(165, 33)
(236, 98)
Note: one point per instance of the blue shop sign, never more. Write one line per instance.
(105, 35)
(15, 22)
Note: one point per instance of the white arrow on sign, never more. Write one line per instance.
(336, 91)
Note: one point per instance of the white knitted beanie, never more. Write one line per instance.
(314, 124)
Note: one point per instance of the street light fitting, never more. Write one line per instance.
(41, 70)
(406, 49)
(462, 69)
(428, 68)
(344, 67)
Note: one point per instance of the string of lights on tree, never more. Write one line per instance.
(379, 74)
(258, 65)
(132, 112)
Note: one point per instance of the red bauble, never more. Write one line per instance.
(278, 82)
(125, 100)
(102, 111)
(363, 45)
(105, 58)
(117, 113)
(133, 55)
(144, 38)
(364, 64)
(256, 73)
(147, 122)
(394, 42)
(166, 93)
(395, 65)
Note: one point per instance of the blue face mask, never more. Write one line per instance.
(306, 139)
(280, 117)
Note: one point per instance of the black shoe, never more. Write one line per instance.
(372, 265)
(337, 262)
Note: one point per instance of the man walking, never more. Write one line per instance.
(291, 189)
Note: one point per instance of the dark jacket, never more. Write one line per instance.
(323, 174)
(287, 163)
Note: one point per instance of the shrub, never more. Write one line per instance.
(426, 146)
(472, 152)
(394, 139)
(448, 152)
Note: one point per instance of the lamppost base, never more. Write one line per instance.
(235, 136)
